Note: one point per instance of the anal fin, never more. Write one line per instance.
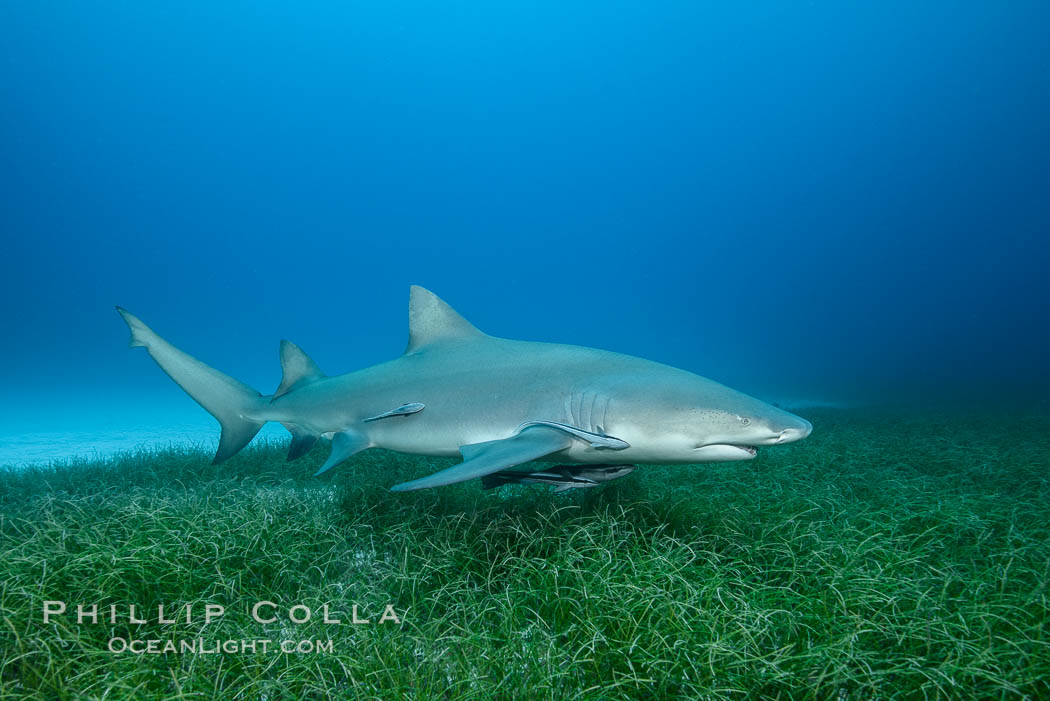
(302, 441)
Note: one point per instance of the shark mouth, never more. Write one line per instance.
(724, 452)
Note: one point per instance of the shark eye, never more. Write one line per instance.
(745, 421)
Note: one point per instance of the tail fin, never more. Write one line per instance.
(228, 400)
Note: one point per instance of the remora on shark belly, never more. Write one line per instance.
(495, 401)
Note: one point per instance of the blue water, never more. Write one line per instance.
(828, 201)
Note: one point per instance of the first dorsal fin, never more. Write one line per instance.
(297, 367)
(430, 319)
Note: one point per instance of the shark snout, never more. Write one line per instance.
(796, 432)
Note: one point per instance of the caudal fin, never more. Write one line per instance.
(229, 401)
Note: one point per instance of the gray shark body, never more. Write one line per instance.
(497, 402)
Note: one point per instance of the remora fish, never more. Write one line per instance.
(564, 477)
(498, 402)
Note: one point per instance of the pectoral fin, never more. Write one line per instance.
(344, 445)
(482, 459)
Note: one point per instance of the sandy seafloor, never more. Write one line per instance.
(44, 447)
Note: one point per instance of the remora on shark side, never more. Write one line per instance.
(498, 402)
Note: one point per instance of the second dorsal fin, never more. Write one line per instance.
(297, 367)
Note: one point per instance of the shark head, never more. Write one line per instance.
(736, 431)
(685, 418)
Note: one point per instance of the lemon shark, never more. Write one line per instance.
(497, 402)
